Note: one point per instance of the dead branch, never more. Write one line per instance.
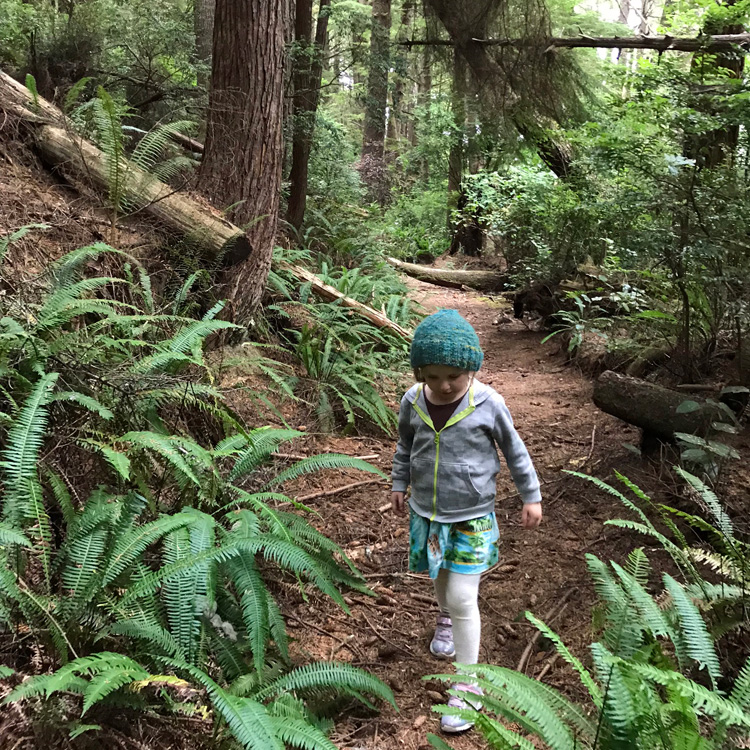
(666, 43)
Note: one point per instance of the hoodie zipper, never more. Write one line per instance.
(453, 420)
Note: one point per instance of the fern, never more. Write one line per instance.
(698, 643)
(163, 446)
(319, 463)
(9, 239)
(248, 720)
(327, 677)
(254, 603)
(262, 443)
(20, 456)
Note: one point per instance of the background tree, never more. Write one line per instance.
(203, 20)
(243, 156)
(372, 166)
(308, 69)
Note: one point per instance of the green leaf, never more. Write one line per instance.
(686, 407)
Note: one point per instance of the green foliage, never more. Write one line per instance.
(119, 582)
(414, 227)
(646, 687)
(129, 176)
(142, 52)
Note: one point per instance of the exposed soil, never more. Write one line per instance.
(389, 635)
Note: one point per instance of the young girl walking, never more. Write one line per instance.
(450, 427)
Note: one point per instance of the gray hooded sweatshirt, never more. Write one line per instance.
(452, 472)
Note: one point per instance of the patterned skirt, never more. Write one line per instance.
(466, 547)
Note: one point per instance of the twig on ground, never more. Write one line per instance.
(548, 665)
(344, 642)
(593, 443)
(548, 619)
(377, 632)
(337, 490)
(312, 625)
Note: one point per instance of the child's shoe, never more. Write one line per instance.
(442, 642)
(455, 724)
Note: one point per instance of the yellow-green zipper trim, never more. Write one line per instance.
(428, 421)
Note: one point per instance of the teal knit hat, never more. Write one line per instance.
(445, 338)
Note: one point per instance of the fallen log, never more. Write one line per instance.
(331, 293)
(484, 281)
(655, 409)
(85, 166)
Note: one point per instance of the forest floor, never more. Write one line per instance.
(542, 571)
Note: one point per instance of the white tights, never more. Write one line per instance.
(458, 595)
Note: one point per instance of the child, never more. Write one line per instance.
(450, 426)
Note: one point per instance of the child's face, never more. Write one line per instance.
(446, 384)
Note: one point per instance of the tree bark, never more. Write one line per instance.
(456, 154)
(485, 281)
(396, 119)
(243, 155)
(653, 407)
(307, 79)
(372, 166)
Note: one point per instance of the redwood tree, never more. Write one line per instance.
(372, 166)
(308, 69)
(243, 157)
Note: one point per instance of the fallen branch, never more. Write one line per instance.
(485, 281)
(338, 490)
(548, 665)
(666, 43)
(331, 293)
(548, 619)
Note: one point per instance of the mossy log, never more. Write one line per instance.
(326, 291)
(484, 281)
(653, 407)
(85, 166)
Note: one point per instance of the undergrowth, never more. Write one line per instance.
(142, 542)
(656, 679)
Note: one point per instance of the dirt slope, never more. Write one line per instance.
(551, 405)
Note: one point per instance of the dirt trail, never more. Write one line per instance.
(550, 402)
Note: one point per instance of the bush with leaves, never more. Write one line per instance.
(161, 576)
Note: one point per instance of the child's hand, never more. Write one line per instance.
(397, 501)
(531, 516)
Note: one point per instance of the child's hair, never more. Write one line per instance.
(445, 338)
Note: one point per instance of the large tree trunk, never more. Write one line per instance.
(713, 147)
(307, 79)
(372, 166)
(653, 407)
(203, 23)
(243, 157)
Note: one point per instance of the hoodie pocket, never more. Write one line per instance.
(422, 479)
(456, 488)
